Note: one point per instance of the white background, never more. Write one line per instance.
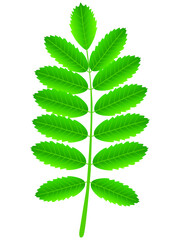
(153, 34)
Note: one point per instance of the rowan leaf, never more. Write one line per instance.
(58, 155)
(66, 54)
(108, 49)
(120, 100)
(62, 79)
(83, 25)
(61, 103)
(60, 188)
(120, 127)
(60, 128)
(119, 156)
(116, 73)
(58, 98)
(114, 192)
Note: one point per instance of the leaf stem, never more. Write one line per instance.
(85, 207)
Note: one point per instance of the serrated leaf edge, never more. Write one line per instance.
(65, 52)
(121, 155)
(121, 99)
(57, 190)
(112, 191)
(49, 164)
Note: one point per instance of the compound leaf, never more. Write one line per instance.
(108, 49)
(114, 192)
(60, 128)
(58, 155)
(60, 188)
(61, 103)
(116, 73)
(62, 79)
(120, 127)
(120, 100)
(66, 54)
(119, 156)
(83, 25)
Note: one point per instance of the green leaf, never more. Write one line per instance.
(61, 103)
(60, 188)
(116, 73)
(62, 79)
(66, 54)
(60, 128)
(120, 100)
(58, 155)
(119, 156)
(114, 192)
(120, 127)
(108, 49)
(83, 25)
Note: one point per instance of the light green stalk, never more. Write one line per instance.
(85, 207)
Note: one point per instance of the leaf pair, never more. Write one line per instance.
(66, 54)
(62, 188)
(115, 129)
(115, 157)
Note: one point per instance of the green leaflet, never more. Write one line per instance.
(116, 73)
(62, 79)
(61, 103)
(83, 25)
(58, 155)
(119, 156)
(60, 188)
(114, 192)
(120, 100)
(66, 54)
(60, 128)
(108, 49)
(120, 127)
